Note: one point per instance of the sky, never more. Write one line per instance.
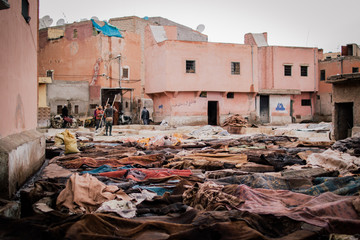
(326, 24)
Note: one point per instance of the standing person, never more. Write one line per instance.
(145, 116)
(109, 114)
(64, 114)
(98, 116)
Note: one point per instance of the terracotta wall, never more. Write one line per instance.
(90, 57)
(18, 81)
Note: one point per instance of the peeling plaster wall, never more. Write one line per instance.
(75, 91)
(91, 58)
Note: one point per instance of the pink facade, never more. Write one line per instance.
(260, 88)
(345, 63)
(18, 60)
(77, 52)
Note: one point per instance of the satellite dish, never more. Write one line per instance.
(200, 28)
(45, 22)
(95, 18)
(60, 22)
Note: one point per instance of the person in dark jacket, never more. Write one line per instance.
(109, 114)
(145, 116)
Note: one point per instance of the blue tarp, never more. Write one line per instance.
(107, 29)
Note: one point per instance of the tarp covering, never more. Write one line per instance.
(107, 29)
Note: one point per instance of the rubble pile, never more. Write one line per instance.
(201, 187)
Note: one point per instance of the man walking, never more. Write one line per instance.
(145, 116)
(109, 114)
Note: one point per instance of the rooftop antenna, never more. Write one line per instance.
(200, 28)
(45, 22)
(60, 22)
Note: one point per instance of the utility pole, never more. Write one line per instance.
(121, 93)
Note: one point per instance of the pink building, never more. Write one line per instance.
(346, 62)
(203, 83)
(22, 148)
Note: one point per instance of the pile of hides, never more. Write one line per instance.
(235, 121)
(247, 187)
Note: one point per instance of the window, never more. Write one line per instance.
(235, 68)
(126, 104)
(355, 69)
(75, 33)
(50, 73)
(322, 75)
(304, 71)
(230, 95)
(59, 108)
(93, 106)
(76, 109)
(4, 4)
(125, 73)
(25, 10)
(305, 102)
(203, 94)
(190, 66)
(287, 70)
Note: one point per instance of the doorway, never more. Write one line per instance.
(344, 120)
(213, 112)
(264, 109)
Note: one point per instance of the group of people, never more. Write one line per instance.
(100, 115)
(107, 115)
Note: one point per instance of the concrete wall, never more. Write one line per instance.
(59, 92)
(22, 148)
(347, 92)
(21, 155)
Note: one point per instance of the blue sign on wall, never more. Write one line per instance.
(280, 107)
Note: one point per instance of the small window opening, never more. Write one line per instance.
(235, 68)
(190, 66)
(322, 75)
(304, 71)
(75, 33)
(305, 102)
(355, 69)
(125, 73)
(203, 94)
(50, 73)
(76, 109)
(230, 95)
(287, 70)
(25, 10)
(126, 104)
(93, 106)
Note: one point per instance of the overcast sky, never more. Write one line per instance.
(325, 24)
